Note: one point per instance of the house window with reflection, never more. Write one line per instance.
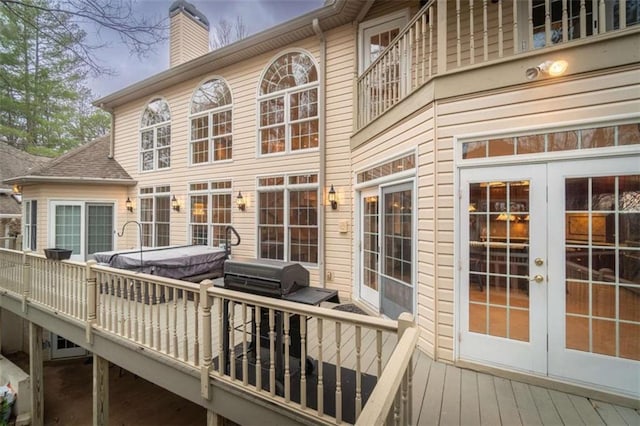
(288, 218)
(155, 136)
(209, 212)
(155, 212)
(211, 118)
(288, 105)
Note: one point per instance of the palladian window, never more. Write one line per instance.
(211, 118)
(288, 105)
(155, 136)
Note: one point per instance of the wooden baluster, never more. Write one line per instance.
(222, 356)
(358, 399)
(303, 361)
(104, 280)
(111, 297)
(516, 29)
(500, 31)
(287, 372)
(396, 409)
(207, 337)
(157, 288)
(129, 289)
(175, 323)
(338, 375)
(622, 20)
(412, 35)
(530, 23)
(547, 23)
(196, 339)
(151, 288)
(145, 300)
(602, 17)
(245, 359)
(379, 352)
(320, 392)
(458, 34)
(423, 21)
(121, 288)
(185, 327)
(167, 319)
(258, 345)
(565, 22)
(272, 352)
(485, 32)
(136, 298)
(583, 19)
(431, 42)
(472, 36)
(232, 340)
(409, 396)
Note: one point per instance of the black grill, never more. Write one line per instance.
(271, 278)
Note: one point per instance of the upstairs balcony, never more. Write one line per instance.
(448, 36)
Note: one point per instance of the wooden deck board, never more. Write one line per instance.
(546, 409)
(489, 412)
(525, 404)
(469, 398)
(631, 416)
(419, 383)
(609, 414)
(509, 414)
(586, 411)
(450, 411)
(432, 401)
(566, 410)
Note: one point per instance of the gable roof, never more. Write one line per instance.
(88, 163)
(332, 14)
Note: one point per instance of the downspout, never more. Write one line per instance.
(112, 131)
(322, 266)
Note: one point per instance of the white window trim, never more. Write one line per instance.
(401, 16)
(208, 193)
(27, 224)
(155, 148)
(286, 93)
(286, 188)
(153, 223)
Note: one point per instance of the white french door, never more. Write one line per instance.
(370, 247)
(549, 277)
(503, 267)
(63, 348)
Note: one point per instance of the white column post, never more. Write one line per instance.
(214, 419)
(100, 391)
(92, 300)
(205, 304)
(36, 373)
(26, 280)
(442, 36)
(405, 321)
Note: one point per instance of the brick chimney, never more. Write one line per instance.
(189, 36)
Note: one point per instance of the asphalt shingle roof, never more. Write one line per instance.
(15, 162)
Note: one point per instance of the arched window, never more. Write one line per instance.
(211, 118)
(288, 105)
(155, 136)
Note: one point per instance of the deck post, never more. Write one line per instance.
(442, 36)
(92, 300)
(26, 280)
(36, 373)
(405, 321)
(205, 370)
(100, 391)
(214, 419)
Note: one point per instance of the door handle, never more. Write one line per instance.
(537, 278)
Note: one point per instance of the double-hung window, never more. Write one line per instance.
(288, 105)
(209, 212)
(155, 212)
(211, 123)
(288, 217)
(155, 136)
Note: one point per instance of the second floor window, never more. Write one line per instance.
(155, 136)
(211, 123)
(209, 212)
(288, 105)
(155, 212)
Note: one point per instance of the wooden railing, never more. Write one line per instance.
(448, 35)
(323, 364)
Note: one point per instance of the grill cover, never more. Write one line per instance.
(264, 277)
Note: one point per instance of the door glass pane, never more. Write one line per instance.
(370, 235)
(99, 228)
(499, 259)
(397, 259)
(68, 228)
(602, 265)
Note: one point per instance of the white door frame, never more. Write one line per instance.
(52, 225)
(367, 294)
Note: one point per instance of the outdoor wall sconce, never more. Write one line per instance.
(17, 189)
(129, 205)
(552, 68)
(332, 198)
(240, 201)
(174, 204)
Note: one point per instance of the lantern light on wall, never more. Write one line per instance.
(332, 198)
(129, 205)
(240, 202)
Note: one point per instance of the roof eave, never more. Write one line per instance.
(23, 180)
(238, 51)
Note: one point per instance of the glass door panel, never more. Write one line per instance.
(370, 247)
(67, 228)
(99, 228)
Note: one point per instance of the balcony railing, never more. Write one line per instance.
(329, 366)
(448, 35)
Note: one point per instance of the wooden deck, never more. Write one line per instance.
(447, 395)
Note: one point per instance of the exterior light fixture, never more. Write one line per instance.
(332, 198)
(17, 189)
(174, 204)
(129, 205)
(552, 68)
(240, 201)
